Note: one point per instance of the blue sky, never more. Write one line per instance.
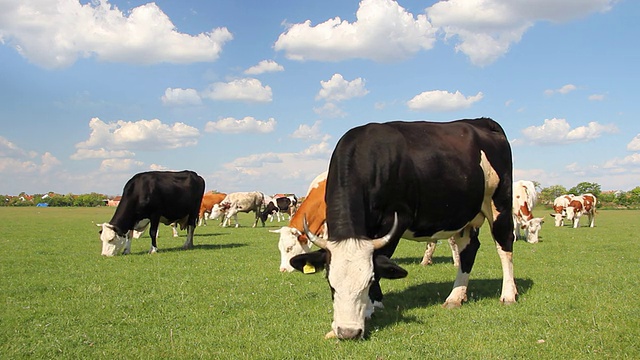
(254, 95)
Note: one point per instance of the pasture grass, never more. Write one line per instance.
(225, 299)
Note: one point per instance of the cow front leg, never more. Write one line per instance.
(153, 233)
(509, 291)
(467, 240)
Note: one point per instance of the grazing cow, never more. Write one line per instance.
(277, 207)
(560, 209)
(239, 202)
(160, 196)
(208, 200)
(579, 205)
(293, 241)
(416, 180)
(524, 200)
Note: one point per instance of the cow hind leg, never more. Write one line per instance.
(153, 233)
(467, 240)
(428, 254)
(503, 236)
(188, 244)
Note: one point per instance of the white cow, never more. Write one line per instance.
(580, 205)
(524, 199)
(560, 205)
(239, 202)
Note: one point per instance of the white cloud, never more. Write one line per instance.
(329, 110)
(484, 30)
(383, 31)
(8, 148)
(596, 97)
(634, 144)
(263, 67)
(100, 153)
(178, 97)
(54, 34)
(563, 90)
(558, 131)
(631, 160)
(49, 162)
(440, 100)
(308, 132)
(120, 165)
(236, 126)
(339, 89)
(247, 89)
(149, 135)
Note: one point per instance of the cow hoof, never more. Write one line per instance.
(426, 263)
(505, 301)
(452, 305)
(153, 250)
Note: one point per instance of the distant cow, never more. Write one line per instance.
(580, 205)
(293, 241)
(239, 202)
(208, 200)
(560, 209)
(417, 180)
(277, 207)
(524, 200)
(159, 196)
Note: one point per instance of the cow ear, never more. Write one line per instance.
(385, 268)
(309, 263)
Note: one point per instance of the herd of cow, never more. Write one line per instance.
(421, 181)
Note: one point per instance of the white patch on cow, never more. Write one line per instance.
(112, 243)
(289, 246)
(350, 275)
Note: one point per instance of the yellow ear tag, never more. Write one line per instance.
(308, 269)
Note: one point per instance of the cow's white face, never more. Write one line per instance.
(216, 211)
(350, 274)
(571, 213)
(533, 227)
(112, 243)
(289, 246)
(558, 219)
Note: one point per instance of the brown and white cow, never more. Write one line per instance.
(208, 200)
(237, 202)
(580, 205)
(293, 241)
(560, 208)
(524, 199)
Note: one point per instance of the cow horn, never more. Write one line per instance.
(318, 241)
(380, 242)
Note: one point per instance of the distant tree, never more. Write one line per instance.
(586, 187)
(547, 195)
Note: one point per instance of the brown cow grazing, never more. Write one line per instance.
(208, 200)
(560, 208)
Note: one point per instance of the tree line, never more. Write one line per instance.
(606, 199)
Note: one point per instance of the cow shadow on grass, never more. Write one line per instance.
(396, 304)
(195, 247)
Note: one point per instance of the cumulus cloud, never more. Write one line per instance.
(8, 148)
(264, 66)
(484, 30)
(120, 165)
(15, 160)
(631, 160)
(116, 137)
(100, 153)
(339, 89)
(596, 97)
(308, 132)
(236, 126)
(383, 31)
(634, 145)
(54, 34)
(558, 131)
(440, 100)
(329, 110)
(180, 97)
(563, 90)
(248, 89)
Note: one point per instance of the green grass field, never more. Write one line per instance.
(226, 299)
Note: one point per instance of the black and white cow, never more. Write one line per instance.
(416, 180)
(153, 197)
(279, 206)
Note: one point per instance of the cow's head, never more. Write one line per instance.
(290, 246)
(558, 218)
(216, 211)
(351, 269)
(532, 229)
(113, 240)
